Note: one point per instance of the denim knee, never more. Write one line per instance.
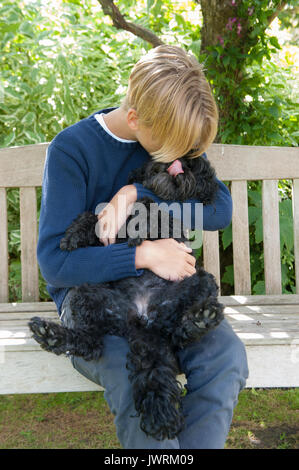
(234, 354)
(219, 352)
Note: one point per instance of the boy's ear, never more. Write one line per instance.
(132, 119)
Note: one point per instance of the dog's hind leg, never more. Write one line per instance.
(59, 339)
(197, 321)
(157, 393)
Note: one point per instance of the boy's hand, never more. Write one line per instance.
(115, 214)
(167, 258)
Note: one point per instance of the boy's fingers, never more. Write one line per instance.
(185, 247)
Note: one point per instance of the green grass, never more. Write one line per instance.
(262, 419)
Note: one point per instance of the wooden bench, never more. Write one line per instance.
(267, 324)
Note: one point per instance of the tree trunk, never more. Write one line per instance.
(215, 17)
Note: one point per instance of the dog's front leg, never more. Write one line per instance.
(82, 232)
(62, 340)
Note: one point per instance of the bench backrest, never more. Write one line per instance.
(22, 167)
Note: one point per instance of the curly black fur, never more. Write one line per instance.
(158, 317)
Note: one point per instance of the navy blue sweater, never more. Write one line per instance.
(85, 166)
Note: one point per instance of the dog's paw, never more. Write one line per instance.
(69, 243)
(135, 241)
(162, 419)
(49, 335)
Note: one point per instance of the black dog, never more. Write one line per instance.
(158, 317)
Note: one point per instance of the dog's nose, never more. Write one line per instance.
(175, 168)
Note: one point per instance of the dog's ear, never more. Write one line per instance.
(137, 175)
(205, 177)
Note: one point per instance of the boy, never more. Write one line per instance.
(168, 111)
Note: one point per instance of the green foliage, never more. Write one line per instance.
(57, 69)
(253, 90)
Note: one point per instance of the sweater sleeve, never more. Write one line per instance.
(63, 199)
(212, 216)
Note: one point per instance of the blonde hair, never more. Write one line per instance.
(171, 96)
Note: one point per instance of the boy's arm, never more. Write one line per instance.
(63, 199)
(215, 216)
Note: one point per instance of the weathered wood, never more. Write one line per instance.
(271, 323)
(271, 237)
(295, 202)
(240, 233)
(273, 366)
(211, 259)
(40, 372)
(23, 166)
(27, 307)
(28, 224)
(3, 247)
(239, 300)
(247, 162)
(36, 371)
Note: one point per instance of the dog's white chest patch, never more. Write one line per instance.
(141, 302)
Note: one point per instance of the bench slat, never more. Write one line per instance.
(271, 236)
(3, 247)
(244, 300)
(295, 203)
(211, 259)
(28, 224)
(228, 300)
(276, 316)
(27, 307)
(254, 162)
(23, 166)
(285, 311)
(258, 331)
(240, 232)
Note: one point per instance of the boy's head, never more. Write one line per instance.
(173, 102)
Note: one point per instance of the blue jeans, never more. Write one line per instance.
(216, 371)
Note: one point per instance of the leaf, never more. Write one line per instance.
(180, 20)
(274, 111)
(61, 60)
(9, 139)
(9, 91)
(274, 41)
(227, 236)
(259, 230)
(26, 29)
(149, 4)
(49, 87)
(254, 213)
(29, 118)
(34, 139)
(228, 276)
(255, 197)
(226, 60)
(286, 224)
(259, 288)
